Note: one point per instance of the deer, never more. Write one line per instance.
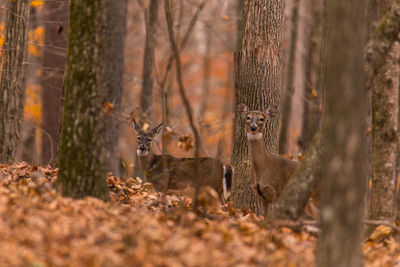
(271, 172)
(166, 172)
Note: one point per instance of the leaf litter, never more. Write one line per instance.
(142, 227)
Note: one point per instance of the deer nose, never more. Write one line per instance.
(142, 147)
(253, 128)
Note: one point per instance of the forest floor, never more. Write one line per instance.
(140, 227)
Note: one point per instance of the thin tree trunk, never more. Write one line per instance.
(344, 174)
(258, 66)
(113, 78)
(312, 99)
(186, 103)
(54, 61)
(206, 79)
(385, 92)
(290, 204)
(289, 83)
(12, 91)
(148, 58)
(81, 164)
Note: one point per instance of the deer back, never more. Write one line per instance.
(168, 172)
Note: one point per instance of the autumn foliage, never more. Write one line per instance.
(141, 227)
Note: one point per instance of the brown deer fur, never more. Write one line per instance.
(271, 172)
(169, 173)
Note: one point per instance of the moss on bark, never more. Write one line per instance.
(81, 163)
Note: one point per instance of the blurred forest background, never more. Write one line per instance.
(207, 62)
(331, 67)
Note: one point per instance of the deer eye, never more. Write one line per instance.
(248, 118)
(139, 138)
(149, 139)
(261, 119)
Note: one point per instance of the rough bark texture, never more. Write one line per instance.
(289, 85)
(54, 61)
(81, 167)
(11, 85)
(113, 78)
(312, 97)
(385, 92)
(148, 57)
(291, 203)
(344, 173)
(258, 66)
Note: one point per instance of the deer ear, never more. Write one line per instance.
(271, 112)
(268, 193)
(137, 126)
(156, 130)
(241, 108)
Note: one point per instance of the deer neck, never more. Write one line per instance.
(145, 161)
(259, 156)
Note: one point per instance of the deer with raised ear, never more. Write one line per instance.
(271, 172)
(166, 172)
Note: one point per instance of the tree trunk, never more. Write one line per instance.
(206, 79)
(81, 165)
(148, 58)
(344, 174)
(54, 61)
(290, 204)
(258, 66)
(312, 98)
(383, 54)
(11, 84)
(113, 79)
(289, 85)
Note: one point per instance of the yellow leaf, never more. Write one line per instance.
(224, 17)
(37, 3)
(314, 93)
(380, 233)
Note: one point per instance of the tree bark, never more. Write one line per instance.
(313, 91)
(383, 66)
(289, 85)
(54, 61)
(344, 174)
(148, 58)
(81, 167)
(113, 79)
(258, 66)
(11, 85)
(290, 204)
(206, 78)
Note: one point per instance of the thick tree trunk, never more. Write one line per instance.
(148, 58)
(385, 93)
(11, 85)
(113, 78)
(289, 83)
(81, 164)
(54, 61)
(258, 75)
(344, 174)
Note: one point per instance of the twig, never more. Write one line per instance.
(185, 100)
(184, 42)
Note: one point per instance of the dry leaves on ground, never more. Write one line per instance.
(141, 227)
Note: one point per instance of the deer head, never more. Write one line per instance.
(255, 120)
(144, 138)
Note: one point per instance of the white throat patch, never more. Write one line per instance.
(252, 136)
(141, 153)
